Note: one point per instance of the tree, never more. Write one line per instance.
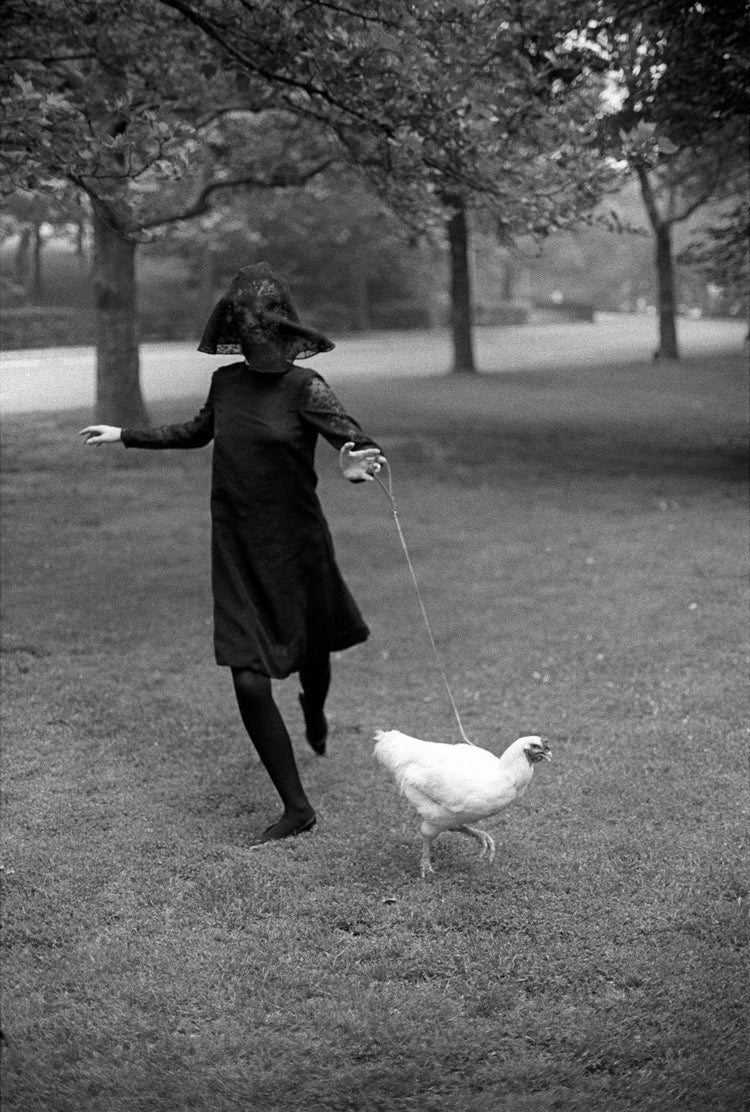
(707, 90)
(443, 105)
(680, 69)
(675, 183)
(352, 263)
(80, 113)
(114, 100)
(25, 215)
(720, 249)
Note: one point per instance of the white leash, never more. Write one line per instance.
(389, 494)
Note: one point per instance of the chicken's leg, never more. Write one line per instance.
(487, 843)
(426, 862)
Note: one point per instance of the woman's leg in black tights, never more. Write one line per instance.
(315, 680)
(270, 737)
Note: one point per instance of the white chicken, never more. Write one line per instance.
(452, 786)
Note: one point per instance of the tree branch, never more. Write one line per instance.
(202, 202)
(47, 60)
(312, 90)
(378, 20)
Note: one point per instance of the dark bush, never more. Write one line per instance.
(400, 314)
(564, 311)
(43, 326)
(501, 313)
(40, 326)
(168, 322)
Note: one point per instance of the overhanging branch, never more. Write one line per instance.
(272, 76)
(202, 201)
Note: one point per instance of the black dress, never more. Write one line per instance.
(279, 599)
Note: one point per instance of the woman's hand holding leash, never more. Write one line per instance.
(357, 466)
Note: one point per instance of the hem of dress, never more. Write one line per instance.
(336, 645)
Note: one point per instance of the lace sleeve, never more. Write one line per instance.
(189, 434)
(321, 408)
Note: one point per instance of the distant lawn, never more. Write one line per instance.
(581, 543)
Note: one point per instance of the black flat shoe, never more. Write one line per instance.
(286, 828)
(316, 728)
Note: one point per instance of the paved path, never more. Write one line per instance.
(63, 378)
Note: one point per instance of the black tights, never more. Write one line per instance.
(268, 733)
(315, 679)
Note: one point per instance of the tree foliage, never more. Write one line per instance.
(429, 98)
(154, 107)
(695, 74)
(444, 105)
(120, 101)
(679, 72)
(91, 95)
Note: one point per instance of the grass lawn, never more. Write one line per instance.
(581, 543)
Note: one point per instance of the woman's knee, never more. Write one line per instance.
(251, 687)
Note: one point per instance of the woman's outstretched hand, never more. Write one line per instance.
(97, 435)
(362, 464)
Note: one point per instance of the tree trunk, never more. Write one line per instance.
(37, 280)
(668, 348)
(21, 259)
(662, 230)
(118, 391)
(80, 239)
(458, 238)
(509, 278)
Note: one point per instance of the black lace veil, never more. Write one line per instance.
(258, 301)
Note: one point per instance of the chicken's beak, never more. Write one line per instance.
(546, 753)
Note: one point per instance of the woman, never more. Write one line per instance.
(280, 603)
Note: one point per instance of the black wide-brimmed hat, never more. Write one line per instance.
(259, 301)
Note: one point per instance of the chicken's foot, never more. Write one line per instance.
(487, 843)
